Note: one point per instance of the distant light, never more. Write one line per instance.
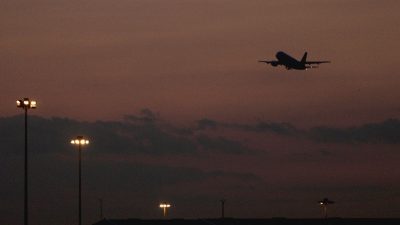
(26, 103)
(33, 104)
(326, 201)
(80, 141)
(165, 205)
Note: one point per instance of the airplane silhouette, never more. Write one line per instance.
(292, 63)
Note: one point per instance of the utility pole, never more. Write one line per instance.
(101, 208)
(223, 208)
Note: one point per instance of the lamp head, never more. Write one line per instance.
(26, 103)
(165, 205)
(79, 140)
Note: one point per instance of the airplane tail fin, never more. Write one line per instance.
(304, 59)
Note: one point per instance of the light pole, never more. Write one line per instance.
(80, 141)
(101, 208)
(165, 206)
(223, 208)
(26, 104)
(324, 203)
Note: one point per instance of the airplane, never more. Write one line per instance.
(292, 63)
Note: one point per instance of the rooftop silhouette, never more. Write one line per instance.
(233, 221)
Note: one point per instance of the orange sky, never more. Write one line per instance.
(189, 59)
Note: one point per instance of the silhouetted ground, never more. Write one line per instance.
(231, 221)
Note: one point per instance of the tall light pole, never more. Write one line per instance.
(165, 206)
(80, 141)
(26, 104)
(101, 208)
(324, 203)
(223, 208)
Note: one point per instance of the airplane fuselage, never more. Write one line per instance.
(289, 62)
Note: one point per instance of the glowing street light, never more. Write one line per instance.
(324, 203)
(26, 104)
(165, 206)
(80, 141)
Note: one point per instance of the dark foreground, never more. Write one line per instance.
(231, 221)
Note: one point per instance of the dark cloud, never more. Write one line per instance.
(146, 115)
(318, 155)
(45, 135)
(386, 132)
(149, 138)
(272, 127)
(207, 123)
(142, 134)
(222, 145)
(148, 134)
(261, 126)
(54, 134)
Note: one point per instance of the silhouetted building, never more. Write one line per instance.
(231, 221)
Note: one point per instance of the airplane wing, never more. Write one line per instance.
(316, 62)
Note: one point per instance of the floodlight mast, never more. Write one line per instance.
(324, 203)
(80, 141)
(26, 104)
(165, 206)
(223, 208)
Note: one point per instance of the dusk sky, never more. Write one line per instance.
(178, 108)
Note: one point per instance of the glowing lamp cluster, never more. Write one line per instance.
(26, 103)
(80, 141)
(165, 206)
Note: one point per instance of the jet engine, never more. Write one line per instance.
(274, 64)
